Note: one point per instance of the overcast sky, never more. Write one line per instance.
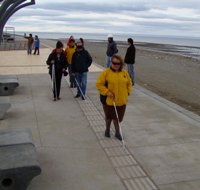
(157, 17)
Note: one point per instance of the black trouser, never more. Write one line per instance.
(37, 50)
(57, 84)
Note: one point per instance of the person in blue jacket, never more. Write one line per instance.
(36, 45)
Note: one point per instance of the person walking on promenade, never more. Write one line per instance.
(130, 59)
(68, 41)
(82, 41)
(114, 83)
(81, 61)
(29, 44)
(36, 45)
(111, 49)
(58, 61)
(69, 51)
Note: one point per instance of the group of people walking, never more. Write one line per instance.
(76, 59)
(114, 83)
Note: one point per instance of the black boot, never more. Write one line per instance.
(77, 96)
(107, 133)
(118, 136)
(117, 131)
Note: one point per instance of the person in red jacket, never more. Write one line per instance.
(70, 38)
(59, 60)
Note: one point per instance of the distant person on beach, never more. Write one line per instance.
(69, 51)
(115, 84)
(36, 45)
(68, 41)
(130, 59)
(59, 60)
(29, 44)
(111, 49)
(82, 41)
(81, 61)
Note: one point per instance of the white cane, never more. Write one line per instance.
(79, 88)
(54, 80)
(120, 129)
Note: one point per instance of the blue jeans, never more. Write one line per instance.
(29, 50)
(107, 61)
(131, 72)
(82, 83)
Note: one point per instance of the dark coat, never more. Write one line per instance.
(60, 64)
(81, 61)
(130, 55)
(111, 48)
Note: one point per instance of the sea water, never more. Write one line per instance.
(174, 40)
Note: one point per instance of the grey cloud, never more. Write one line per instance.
(97, 8)
(146, 15)
(161, 26)
(164, 4)
(141, 11)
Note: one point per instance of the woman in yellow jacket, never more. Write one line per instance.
(115, 83)
(69, 51)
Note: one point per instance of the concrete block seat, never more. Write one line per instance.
(8, 83)
(4, 106)
(18, 160)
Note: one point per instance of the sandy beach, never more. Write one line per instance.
(174, 77)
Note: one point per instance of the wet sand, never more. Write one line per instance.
(174, 77)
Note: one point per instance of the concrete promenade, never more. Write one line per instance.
(162, 140)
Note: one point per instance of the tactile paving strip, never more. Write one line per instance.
(130, 172)
(123, 161)
(116, 151)
(140, 184)
(97, 123)
(98, 129)
(107, 143)
(127, 168)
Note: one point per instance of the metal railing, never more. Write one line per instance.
(13, 45)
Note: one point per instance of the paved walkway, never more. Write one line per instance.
(162, 140)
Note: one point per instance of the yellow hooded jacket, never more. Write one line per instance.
(69, 53)
(118, 83)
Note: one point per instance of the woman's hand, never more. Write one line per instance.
(111, 95)
(52, 62)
